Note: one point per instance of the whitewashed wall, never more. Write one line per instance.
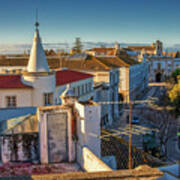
(167, 66)
(138, 79)
(91, 163)
(10, 68)
(83, 97)
(101, 94)
(88, 129)
(92, 125)
(41, 85)
(23, 97)
(122, 78)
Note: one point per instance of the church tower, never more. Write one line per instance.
(38, 74)
(116, 48)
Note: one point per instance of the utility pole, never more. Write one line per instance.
(130, 134)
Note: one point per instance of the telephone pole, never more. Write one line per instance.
(130, 134)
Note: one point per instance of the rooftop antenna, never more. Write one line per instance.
(37, 23)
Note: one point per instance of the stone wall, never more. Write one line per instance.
(19, 148)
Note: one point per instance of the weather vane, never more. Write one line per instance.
(37, 23)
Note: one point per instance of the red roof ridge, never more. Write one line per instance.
(12, 81)
(69, 76)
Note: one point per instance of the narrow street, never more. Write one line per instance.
(155, 90)
(173, 150)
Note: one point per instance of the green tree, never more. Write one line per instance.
(177, 54)
(176, 104)
(174, 96)
(175, 74)
(77, 45)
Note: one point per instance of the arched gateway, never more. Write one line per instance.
(158, 77)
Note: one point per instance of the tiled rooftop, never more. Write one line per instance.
(62, 77)
(89, 64)
(69, 76)
(53, 62)
(101, 49)
(141, 47)
(128, 60)
(112, 61)
(12, 81)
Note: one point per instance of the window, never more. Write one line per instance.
(86, 87)
(78, 91)
(159, 65)
(48, 99)
(74, 91)
(89, 86)
(83, 89)
(11, 101)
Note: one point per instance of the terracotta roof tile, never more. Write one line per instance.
(112, 61)
(69, 76)
(11, 81)
(128, 60)
(111, 53)
(101, 50)
(104, 63)
(141, 47)
(117, 61)
(89, 64)
(53, 62)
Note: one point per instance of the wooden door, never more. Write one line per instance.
(57, 137)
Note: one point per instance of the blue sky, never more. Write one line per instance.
(129, 21)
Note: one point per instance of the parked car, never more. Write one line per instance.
(135, 120)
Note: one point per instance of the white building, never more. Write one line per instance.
(162, 67)
(176, 63)
(103, 72)
(155, 49)
(138, 79)
(102, 93)
(39, 85)
(66, 134)
(133, 76)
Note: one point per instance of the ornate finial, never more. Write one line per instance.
(36, 24)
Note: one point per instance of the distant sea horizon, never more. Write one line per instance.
(22, 48)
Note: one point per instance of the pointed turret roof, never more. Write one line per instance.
(37, 61)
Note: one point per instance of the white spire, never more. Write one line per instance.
(37, 61)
